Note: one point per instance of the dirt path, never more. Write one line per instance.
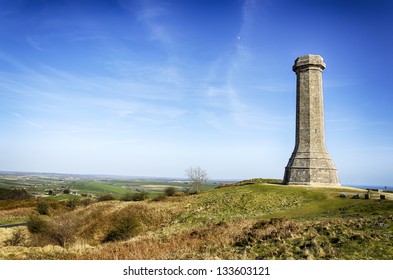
(14, 225)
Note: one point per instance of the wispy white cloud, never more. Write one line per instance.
(70, 104)
(171, 75)
(231, 95)
(151, 15)
(151, 11)
(213, 91)
(26, 120)
(249, 13)
(34, 43)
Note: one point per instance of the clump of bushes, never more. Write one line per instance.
(61, 231)
(13, 194)
(36, 224)
(106, 197)
(72, 203)
(42, 207)
(140, 196)
(170, 191)
(125, 228)
(50, 207)
(86, 202)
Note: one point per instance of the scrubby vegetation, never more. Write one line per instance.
(13, 194)
(18, 238)
(171, 191)
(124, 228)
(247, 220)
(139, 196)
(106, 197)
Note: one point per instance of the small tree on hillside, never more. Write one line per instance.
(197, 176)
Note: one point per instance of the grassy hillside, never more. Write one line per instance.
(248, 220)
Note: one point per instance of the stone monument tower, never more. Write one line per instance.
(310, 163)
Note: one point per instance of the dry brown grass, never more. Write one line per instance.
(91, 224)
(79, 230)
(5, 233)
(19, 214)
(213, 241)
(12, 211)
(12, 204)
(222, 224)
(330, 238)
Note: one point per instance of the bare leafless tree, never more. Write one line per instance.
(197, 176)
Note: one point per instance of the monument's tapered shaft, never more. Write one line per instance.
(310, 163)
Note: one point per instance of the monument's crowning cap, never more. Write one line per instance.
(310, 163)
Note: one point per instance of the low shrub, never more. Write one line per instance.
(140, 196)
(160, 197)
(18, 238)
(86, 201)
(170, 191)
(125, 228)
(42, 207)
(63, 231)
(73, 203)
(106, 197)
(36, 225)
(128, 197)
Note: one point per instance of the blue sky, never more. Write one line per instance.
(149, 88)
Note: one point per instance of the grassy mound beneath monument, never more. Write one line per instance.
(248, 220)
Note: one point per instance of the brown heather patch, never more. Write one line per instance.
(13, 211)
(14, 215)
(330, 238)
(334, 238)
(91, 224)
(103, 216)
(12, 204)
(213, 241)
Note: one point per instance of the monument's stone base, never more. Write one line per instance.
(311, 169)
(311, 177)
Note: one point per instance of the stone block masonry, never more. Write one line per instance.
(310, 163)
